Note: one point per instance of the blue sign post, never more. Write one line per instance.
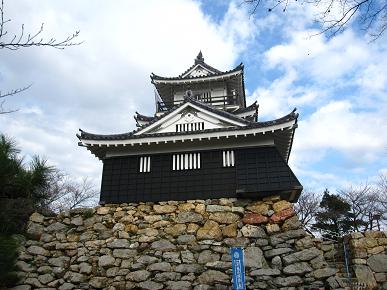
(238, 268)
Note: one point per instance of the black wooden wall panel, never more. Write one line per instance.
(260, 169)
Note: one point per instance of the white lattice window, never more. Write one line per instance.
(186, 161)
(228, 158)
(145, 164)
(187, 127)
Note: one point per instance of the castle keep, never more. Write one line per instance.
(202, 142)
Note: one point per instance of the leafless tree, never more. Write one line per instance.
(65, 193)
(366, 205)
(335, 15)
(381, 188)
(359, 199)
(381, 198)
(307, 206)
(22, 39)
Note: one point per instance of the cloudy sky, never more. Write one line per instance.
(338, 84)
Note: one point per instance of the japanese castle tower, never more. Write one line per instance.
(202, 142)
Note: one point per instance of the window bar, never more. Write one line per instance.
(173, 162)
(224, 158)
(198, 161)
(232, 158)
(185, 161)
(228, 159)
(177, 162)
(190, 161)
(140, 164)
(148, 164)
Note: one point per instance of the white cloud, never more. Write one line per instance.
(339, 87)
(358, 135)
(98, 85)
(338, 84)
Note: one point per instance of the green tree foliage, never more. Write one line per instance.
(23, 187)
(334, 215)
(8, 256)
(26, 187)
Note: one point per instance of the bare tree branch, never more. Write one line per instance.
(336, 14)
(307, 206)
(366, 205)
(65, 193)
(23, 40)
(14, 92)
(381, 188)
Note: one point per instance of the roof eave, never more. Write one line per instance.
(155, 79)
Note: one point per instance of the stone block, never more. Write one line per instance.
(224, 217)
(255, 219)
(207, 256)
(282, 215)
(210, 277)
(150, 285)
(251, 231)
(160, 267)
(260, 208)
(380, 277)
(210, 230)
(376, 250)
(163, 245)
(254, 257)
(164, 208)
(138, 276)
(189, 217)
(230, 230)
(98, 282)
(364, 275)
(378, 263)
(304, 255)
(288, 281)
(374, 234)
(272, 228)
(103, 210)
(281, 205)
(37, 218)
(297, 269)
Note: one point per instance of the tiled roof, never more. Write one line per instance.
(253, 106)
(131, 135)
(156, 77)
(140, 117)
(199, 60)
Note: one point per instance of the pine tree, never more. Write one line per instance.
(334, 215)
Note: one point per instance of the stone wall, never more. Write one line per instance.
(369, 258)
(172, 245)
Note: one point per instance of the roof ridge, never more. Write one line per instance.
(139, 116)
(221, 112)
(199, 60)
(289, 117)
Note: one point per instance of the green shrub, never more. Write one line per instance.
(88, 213)
(8, 256)
(14, 215)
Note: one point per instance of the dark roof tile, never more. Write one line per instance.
(131, 135)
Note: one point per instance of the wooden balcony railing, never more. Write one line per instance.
(220, 101)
